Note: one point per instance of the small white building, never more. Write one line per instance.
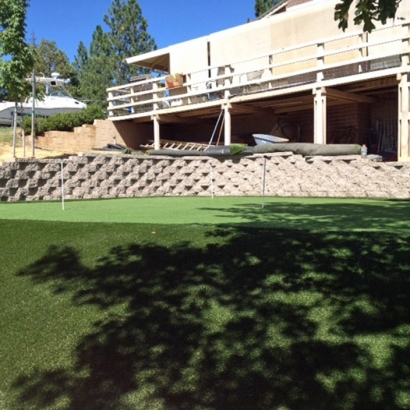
(292, 73)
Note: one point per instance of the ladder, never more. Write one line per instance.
(176, 145)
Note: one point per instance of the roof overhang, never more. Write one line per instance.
(154, 60)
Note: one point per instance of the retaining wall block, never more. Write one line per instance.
(105, 176)
(52, 166)
(32, 166)
(4, 173)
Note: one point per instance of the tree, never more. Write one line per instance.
(102, 66)
(16, 55)
(96, 68)
(262, 6)
(80, 60)
(49, 59)
(366, 12)
(128, 36)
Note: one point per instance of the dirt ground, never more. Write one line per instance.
(6, 152)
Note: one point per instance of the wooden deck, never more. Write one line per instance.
(310, 76)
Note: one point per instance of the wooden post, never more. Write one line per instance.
(320, 62)
(155, 120)
(363, 52)
(319, 113)
(319, 116)
(155, 96)
(227, 124)
(404, 118)
(110, 104)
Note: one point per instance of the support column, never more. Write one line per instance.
(403, 137)
(155, 120)
(319, 116)
(403, 142)
(227, 125)
(319, 134)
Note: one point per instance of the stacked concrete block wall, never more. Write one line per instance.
(95, 136)
(81, 139)
(116, 176)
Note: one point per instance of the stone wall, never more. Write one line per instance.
(113, 176)
(84, 138)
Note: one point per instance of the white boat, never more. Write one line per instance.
(262, 139)
(56, 100)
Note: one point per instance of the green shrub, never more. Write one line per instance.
(65, 121)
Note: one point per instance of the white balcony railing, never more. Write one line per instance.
(329, 62)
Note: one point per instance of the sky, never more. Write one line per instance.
(169, 22)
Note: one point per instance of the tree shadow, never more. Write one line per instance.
(346, 215)
(261, 320)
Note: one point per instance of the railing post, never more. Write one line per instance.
(363, 38)
(227, 80)
(320, 61)
(155, 95)
(110, 104)
(132, 100)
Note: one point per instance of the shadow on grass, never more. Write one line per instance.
(323, 214)
(266, 320)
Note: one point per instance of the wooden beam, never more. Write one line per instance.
(343, 95)
(251, 109)
(295, 108)
(176, 119)
(376, 84)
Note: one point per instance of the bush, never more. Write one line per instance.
(65, 121)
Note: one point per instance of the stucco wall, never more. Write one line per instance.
(113, 176)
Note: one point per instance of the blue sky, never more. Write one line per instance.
(169, 22)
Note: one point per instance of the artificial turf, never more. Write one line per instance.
(194, 304)
(289, 213)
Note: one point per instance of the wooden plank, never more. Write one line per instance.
(343, 95)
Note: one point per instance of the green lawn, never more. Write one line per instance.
(6, 135)
(205, 304)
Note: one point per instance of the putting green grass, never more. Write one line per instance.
(205, 304)
(291, 213)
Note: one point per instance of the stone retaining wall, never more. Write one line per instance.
(113, 176)
(89, 137)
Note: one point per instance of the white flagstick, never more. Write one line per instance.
(263, 182)
(62, 185)
(212, 183)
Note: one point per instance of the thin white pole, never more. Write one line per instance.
(23, 136)
(263, 182)
(62, 185)
(33, 115)
(14, 130)
(212, 183)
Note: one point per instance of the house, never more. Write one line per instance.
(292, 73)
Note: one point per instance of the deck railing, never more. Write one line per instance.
(331, 61)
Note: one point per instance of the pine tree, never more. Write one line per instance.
(262, 6)
(128, 36)
(98, 66)
(102, 66)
